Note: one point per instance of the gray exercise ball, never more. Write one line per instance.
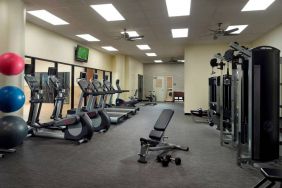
(13, 131)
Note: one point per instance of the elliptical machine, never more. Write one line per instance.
(100, 119)
(76, 128)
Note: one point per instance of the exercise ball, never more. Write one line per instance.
(11, 99)
(11, 64)
(13, 130)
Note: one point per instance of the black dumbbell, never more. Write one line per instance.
(176, 160)
(163, 160)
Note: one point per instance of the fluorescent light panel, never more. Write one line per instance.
(88, 37)
(178, 7)
(110, 48)
(253, 5)
(108, 11)
(158, 61)
(181, 60)
(48, 17)
(240, 28)
(143, 47)
(151, 54)
(131, 33)
(179, 33)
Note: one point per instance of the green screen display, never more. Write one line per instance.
(81, 54)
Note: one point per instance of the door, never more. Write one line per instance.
(140, 87)
(159, 87)
(169, 88)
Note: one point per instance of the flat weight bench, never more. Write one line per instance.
(156, 138)
(273, 175)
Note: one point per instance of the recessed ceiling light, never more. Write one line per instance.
(88, 37)
(108, 11)
(253, 5)
(178, 7)
(48, 17)
(158, 61)
(151, 54)
(181, 60)
(143, 47)
(179, 33)
(110, 48)
(240, 28)
(131, 33)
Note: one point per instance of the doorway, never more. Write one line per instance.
(163, 87)
(140, 87)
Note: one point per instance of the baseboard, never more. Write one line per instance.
(187, 114)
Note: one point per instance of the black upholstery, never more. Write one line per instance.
(164, 120)
(156, 135)
(272, 174)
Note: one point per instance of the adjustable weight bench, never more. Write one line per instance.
(156, 138)
(272, 175)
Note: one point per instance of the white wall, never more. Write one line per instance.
(197, 70)
(49, 45)
(176, 70)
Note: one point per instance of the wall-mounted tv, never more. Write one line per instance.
(81, 53)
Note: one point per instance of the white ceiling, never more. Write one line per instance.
(150, 18)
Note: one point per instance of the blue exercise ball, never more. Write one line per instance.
(13, 131)
(11, 99)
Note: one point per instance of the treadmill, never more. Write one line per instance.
(108, 87)
(130, 104)
(115, 117)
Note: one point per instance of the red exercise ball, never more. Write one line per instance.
(11, 64)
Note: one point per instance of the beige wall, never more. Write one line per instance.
(49, 45)
(133, 68)
(126, 69)
(197, 70)
(176, 70)
(272, 38)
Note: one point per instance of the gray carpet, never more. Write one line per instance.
(109, 160)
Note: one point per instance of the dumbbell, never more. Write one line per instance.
(166, 159)
(163, 160)
(176, 160)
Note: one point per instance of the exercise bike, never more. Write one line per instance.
(76, 128)
(151, 98)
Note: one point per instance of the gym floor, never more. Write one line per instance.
(110, 159)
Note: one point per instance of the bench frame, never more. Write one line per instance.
(268, 178)
(6, 151)
(158, 144)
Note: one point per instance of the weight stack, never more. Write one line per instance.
(265, 99)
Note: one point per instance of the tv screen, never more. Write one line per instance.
(81, 54)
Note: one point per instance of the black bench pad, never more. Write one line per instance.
(272, 174)
(164, 120)
(156, 135)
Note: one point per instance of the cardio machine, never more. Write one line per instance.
(120, 102)
(100, 119)
(124, 109)
(115, 117)
(152, 99)
(76, 128)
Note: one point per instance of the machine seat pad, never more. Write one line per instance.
(272, 174)
(164, 120)
(156, 135)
